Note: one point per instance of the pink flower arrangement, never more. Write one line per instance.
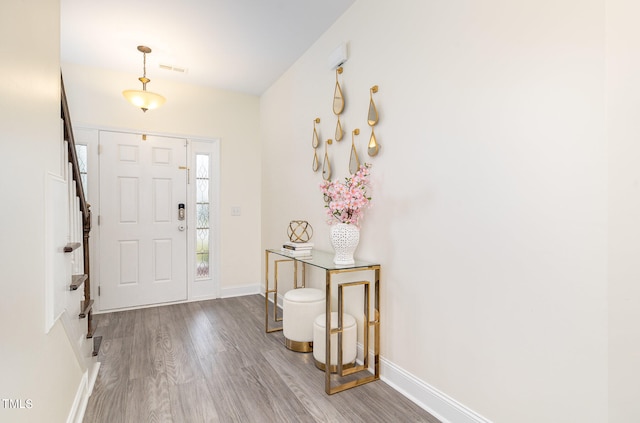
(346, 201)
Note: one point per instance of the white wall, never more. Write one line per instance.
(489, 212)
(95, 99)
(34, 365)
(623, 129)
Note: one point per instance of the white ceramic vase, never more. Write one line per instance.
(345, 239)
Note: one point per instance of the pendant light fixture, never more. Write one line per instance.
(142, 98)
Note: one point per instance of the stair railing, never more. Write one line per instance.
(85, 210)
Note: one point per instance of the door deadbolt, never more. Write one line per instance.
(181, 211)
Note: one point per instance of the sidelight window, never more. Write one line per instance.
(202, 216)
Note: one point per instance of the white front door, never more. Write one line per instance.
(143, 242)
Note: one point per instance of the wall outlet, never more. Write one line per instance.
(235, 211)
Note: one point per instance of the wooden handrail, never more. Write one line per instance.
(85, 209)
(73, 157)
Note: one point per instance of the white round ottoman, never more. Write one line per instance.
(349, 341)
(299, 308)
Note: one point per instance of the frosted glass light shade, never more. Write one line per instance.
(146, 100)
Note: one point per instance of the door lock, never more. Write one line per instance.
(181, 211)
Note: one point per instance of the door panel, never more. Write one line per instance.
(143, 246)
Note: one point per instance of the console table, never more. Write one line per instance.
(324, 260)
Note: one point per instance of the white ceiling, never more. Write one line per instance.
(239, 45)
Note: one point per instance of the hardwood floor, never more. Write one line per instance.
(211, 361)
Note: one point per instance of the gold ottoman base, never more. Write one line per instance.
(334, 368)
(297, 346)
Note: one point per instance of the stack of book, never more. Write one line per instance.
(298, 249)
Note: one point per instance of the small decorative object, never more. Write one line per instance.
(339, 131)
(345, 203)
(354, 161)
(372, 116)
(299, 231)
(344, 239)
(315, 142)
(372, 120)
(338, 105)
(338, 98)
(326, 166)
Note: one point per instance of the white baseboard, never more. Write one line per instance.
(75, 414)
(439, 404)
(85, 388)
(240, 291)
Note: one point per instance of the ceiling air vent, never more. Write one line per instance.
(173, 68)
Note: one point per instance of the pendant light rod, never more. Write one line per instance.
(143, 78)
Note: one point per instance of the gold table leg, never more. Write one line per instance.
(340, 329)
(375, 323)
(273, 291)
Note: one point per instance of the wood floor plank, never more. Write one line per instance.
(147, 353)
(148, 400)
(296, 371)
(211, 361)
(205, 338)
(109, 396)
(191, 402)
(114, 355)
(180, 358)
(271, 389)
(107, 405)
(116, 325)
(221, 375)
(238, 335)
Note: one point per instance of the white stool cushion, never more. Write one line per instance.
(349, 339)
(299, 308)
(304, 295)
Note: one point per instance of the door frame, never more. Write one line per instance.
(197, 290)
